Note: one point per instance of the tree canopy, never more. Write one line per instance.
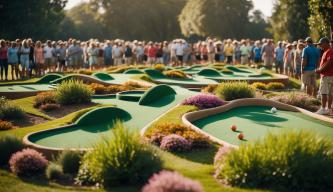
(321, 19)
(219, 18)
(30, 18)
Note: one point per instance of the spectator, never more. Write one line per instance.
(245, 53)
(310, 59)
(13, 60)
(61, 55)
(48, 56)
(279, 55)
(93, 56)
(4, 59)
(229, 51)
(267, 53)
(117, 54)
(237, 53)
(108, 53)
(24, 58)
(39, 58)
(257, 52)
(326, 72)
(166, 53)
(298, 60)
(288, 61)
(128, 54)
(74, 53)
(151, 53)
(180, 52)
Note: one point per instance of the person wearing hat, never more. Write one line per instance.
(298, 60)
(107, 53)
(310, 59)
(229, 51)
(326, 73)
(288, 60)
(279, 55)
(267, 53)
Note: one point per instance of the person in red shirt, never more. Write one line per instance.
(326, 72)
(151, 53)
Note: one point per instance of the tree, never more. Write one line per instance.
(141, 19)
(290, 19)
(31, 18)
(82, 22)
(321, 18)
(218, 18)
(258, 26)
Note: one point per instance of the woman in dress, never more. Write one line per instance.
(39, 59)
(24, 58)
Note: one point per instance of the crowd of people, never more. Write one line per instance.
(299, 59)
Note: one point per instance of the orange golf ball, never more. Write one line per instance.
(240, 136)
(233, 128)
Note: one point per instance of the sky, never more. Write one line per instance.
(265, 6)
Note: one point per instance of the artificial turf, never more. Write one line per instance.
(256, 121)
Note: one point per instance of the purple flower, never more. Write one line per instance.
(167, 181)
(27, 162)
(204, 101)
(175, 142)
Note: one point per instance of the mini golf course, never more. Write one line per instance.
(255, 121)
(135, 109)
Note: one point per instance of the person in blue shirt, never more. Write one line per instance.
(257, 52)
(108, 54)
(310, 60)
(13, 60)
(279, 53)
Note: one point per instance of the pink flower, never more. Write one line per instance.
(204, 101)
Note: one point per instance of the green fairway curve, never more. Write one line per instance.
(209, 72)
(46, 79)
(256, 122)
(155, 93)
(133, 71)
(103, 76)
(88, 129)
(130, 95)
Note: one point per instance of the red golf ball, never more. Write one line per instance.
(233, 128)
(240, 136)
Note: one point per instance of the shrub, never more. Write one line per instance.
(203, 101)
(9, 145)
(297, 99)
(5, 125)
(234, 90)
(174, 143)
(10, 111)
(157, 132)
(45, 98)
(98, 88)
(49, 106)
(115, 89)
(85, 72)
(54, 171)
(130, 85)
(209, 89)
(28, 162)
(73, 92)
(259, 85)
(70, 161)
(275, 86)
(120, 160)
(159, 67)
(175, 74)
(167, 181)
(294, 161)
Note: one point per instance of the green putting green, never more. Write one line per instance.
(256, 121)
(85, 135)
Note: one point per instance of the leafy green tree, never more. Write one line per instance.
(31, 18)
(82, 22)
(258, 27)
(141, 19)
(290, 19)
(218, 18)
(321, 18)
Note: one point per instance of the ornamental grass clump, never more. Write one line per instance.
(47, 97)
(297, 99)
(73, 92)
(122, 158)
(209, 89)
(54, 172)
(175, 143)
(70, 161)
(159, 67)
(9, 145)
(234, 90)
(204, 101)
(290, 161)
(275, 86)
(167, 181)
(156, 133)
(9, 110)
(28, 162)
(178, 74)
(259, 85)
(5, 125)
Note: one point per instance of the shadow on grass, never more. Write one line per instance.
(204, 156)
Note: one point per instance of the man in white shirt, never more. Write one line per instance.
(48, 55)
(117, 54)
(179, 48)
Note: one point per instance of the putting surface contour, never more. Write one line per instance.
(85, 136)
(257, 121)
